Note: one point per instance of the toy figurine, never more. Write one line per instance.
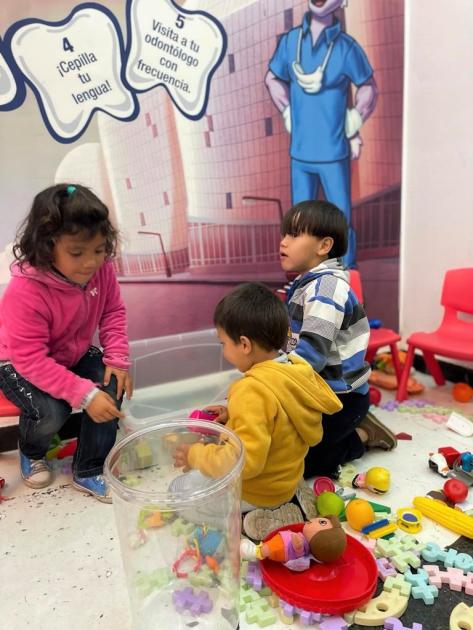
(375, 479)
(438, 463)
(467, 462)
(321, 539)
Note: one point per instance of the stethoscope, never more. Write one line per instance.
(312, 81)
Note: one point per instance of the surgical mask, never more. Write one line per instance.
(310, 82)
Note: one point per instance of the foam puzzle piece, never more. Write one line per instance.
(247, 597)
(461, 617)
(449, 557)
(395, 550)
(334, 623)
(145, 583)
(195, 602)
(180, 527)
(306, 617)
(385, 568)
(380, 608)
(259, 612)
(455, 578)
(203, 577)
(254, 577)
(421, 589)
(399, 583)
(143, 454)
(396, 624)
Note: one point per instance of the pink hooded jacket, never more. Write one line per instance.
(47, 324)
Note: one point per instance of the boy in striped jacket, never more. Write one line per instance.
(330, 330)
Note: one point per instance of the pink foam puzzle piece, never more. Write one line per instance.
(455, 578)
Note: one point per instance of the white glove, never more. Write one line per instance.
(353, 122)
(286, 116)
(355, 147)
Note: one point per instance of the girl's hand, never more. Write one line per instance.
(220, 411)
(180, 457)
(124, 381)
(102, 408)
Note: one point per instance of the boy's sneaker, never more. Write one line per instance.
(35, 472)
(306, 497)
(379, 436)
(96, 486)
(257, 524)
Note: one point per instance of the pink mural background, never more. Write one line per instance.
(210, 193)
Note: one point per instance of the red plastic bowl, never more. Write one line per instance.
(334, 588)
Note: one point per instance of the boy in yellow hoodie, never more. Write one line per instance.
(275, 409)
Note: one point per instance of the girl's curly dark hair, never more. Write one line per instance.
(57, 210)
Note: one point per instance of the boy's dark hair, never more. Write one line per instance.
(252, 310)
(318, 218)
(58, 210)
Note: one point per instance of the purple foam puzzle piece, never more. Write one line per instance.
(334, 623)
(385, 568)
(395, 624)
(254, 577)
(194, 602)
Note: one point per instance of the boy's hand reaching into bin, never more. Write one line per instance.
(180, 454)
(220, 411)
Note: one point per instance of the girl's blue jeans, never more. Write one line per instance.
(42, 416)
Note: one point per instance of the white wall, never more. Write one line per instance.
(437, 212)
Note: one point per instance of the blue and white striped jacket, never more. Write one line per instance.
(329, 327)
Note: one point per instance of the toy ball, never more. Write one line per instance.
(462, 392)
(329, 503)
(375, 396)
(455, 490)
(359, 513)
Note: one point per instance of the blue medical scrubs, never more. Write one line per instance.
(320, 151)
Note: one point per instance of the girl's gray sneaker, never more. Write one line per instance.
(35, 472)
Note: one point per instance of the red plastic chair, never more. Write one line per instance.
(379, 337)
(453, 338)
(7, 408)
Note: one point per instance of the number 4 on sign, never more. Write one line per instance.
(67, 46)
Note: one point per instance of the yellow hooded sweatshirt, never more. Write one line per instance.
(276, 411)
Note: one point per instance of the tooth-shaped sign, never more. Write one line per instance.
(174, 47)
(75, 68)
(10, 94)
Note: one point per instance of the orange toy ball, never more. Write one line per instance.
(462, 392)
(359, 513)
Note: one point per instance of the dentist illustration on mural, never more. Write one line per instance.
(309, 81)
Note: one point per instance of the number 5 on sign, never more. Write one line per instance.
(176, 48)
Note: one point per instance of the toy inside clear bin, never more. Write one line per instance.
(179, 533)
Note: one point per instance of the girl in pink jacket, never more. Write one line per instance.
(63, 289)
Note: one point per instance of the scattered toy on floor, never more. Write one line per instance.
(376, 479)
(462, 392)
(322, 539)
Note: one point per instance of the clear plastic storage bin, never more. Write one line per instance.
(174, 375)
(179, 533)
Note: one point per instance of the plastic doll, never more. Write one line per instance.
(322, 539)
